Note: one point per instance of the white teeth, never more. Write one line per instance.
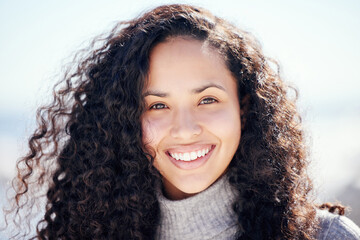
(190, 156)
(203, 152)
(186, 156)
(207, 150)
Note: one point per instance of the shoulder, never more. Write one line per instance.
(333, 226)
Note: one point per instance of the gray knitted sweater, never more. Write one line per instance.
(209, 215)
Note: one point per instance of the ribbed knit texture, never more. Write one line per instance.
(206, 215)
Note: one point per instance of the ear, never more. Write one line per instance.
(244, 109)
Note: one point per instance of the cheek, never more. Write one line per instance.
(146, 132)
(153, 130)
(224, 123)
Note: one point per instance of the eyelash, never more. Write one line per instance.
(209, 100)
(204, 101)
(156, 106)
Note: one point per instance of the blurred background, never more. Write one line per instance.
(315, 42)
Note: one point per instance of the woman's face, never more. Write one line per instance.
(192, 120)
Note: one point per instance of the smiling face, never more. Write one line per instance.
(192, 120)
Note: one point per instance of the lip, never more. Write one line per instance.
(188, 165)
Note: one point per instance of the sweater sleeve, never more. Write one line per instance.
(335, 227)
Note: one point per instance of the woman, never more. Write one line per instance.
(175, 128)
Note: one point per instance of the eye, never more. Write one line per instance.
(157, 106)
(208, 100)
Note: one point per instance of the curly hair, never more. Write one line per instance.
(87, 150)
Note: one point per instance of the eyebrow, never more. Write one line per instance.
(201, 89)
(195, 91)
(155, 93)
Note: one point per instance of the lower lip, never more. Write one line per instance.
(188, 165)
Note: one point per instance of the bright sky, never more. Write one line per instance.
(316, 43)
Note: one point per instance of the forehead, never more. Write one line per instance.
(187, 61)
(183, 46)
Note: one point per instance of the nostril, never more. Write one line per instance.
(186, 131)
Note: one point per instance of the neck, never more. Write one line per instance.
(205, 215)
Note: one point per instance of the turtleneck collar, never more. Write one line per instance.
(206, 215)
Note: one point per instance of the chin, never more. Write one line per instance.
(193, 186)
(194, 189)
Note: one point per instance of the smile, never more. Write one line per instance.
(190, 156)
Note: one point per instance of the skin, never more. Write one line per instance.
(192, 104)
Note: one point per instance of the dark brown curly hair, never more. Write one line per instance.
(87, 155)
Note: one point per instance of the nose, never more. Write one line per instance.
(185, 125)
